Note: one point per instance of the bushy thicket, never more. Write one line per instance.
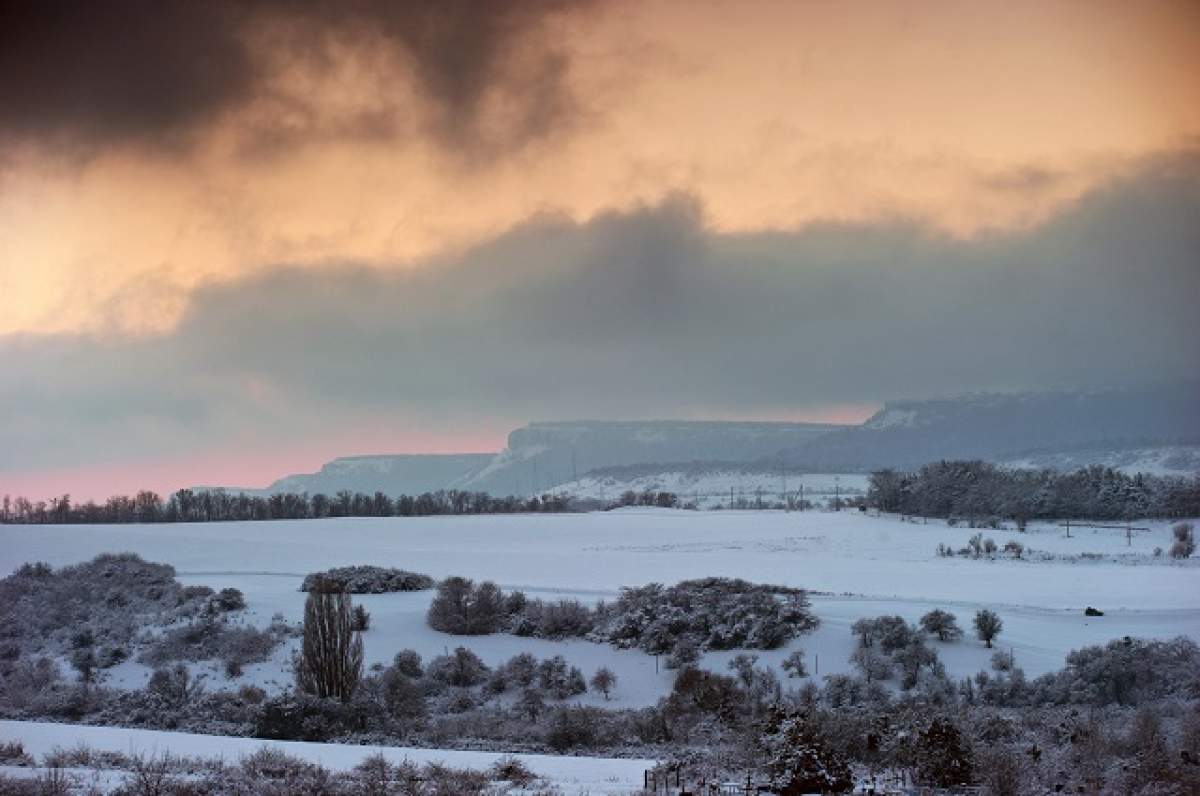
(979, 490)
(708, 613)
(367, 579)
(217, 505)
(103, 605)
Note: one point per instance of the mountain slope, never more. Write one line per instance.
(397, 474)
(1007, 426)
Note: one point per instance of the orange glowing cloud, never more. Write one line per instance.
(967, 117)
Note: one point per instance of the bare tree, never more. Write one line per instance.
(331, 655)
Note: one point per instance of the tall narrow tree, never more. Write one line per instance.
(331, 655)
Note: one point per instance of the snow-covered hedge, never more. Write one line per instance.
(366, 579)
(708, 613)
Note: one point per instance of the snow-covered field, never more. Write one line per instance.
(862, 565)
(572, 775)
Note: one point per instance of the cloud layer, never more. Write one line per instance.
(84, 77)
(646, 313)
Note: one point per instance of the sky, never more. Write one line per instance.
(238, 239)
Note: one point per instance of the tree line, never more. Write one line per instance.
(217, 505)
(978, 490)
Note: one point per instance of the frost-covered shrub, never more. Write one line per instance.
(942, 624)
(512, 770)
(890, 632)
(1185, 543)
(1014, 548)
(717, 613)
(520, 670)
(176, 685)
(793, 664)
(799, 758)
(366, 579)
(554, 620)
(12, 753)
(1125, 672)
(408, 663)
(558, 680)
(572, 727)
(462, 668)
(464, 608)
(229, 600)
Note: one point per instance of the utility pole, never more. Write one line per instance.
(783, 484)
(837, 493)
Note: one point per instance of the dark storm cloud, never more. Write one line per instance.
(638, 314)
(79, 76)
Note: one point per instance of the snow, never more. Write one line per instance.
(574, 775)
(864, 565)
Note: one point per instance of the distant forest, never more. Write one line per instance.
(216, 505)
(975, 491)
(978, 491)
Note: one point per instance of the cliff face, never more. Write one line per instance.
(543, 455)
(393, 475)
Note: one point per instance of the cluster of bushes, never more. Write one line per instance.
(648, 497)
(96, 615)
(366, 579)
(708, 613)
(888, 645)
(267, 771)
(982, 492)
(217, 505)
(979, 547)
(703, 614)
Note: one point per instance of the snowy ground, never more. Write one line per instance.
(573, 775)
(865, 565)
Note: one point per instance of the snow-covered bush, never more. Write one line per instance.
(942, 624)
(558, 680)
(366, 579)
(1185, 542)
(717, 613)
(461, 668)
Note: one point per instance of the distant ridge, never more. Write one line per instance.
(1156, 429)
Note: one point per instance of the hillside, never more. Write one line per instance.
(392, 474)
(1000, 427)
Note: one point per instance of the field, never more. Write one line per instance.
(858, 565)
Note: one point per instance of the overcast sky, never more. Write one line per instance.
(240, 238)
